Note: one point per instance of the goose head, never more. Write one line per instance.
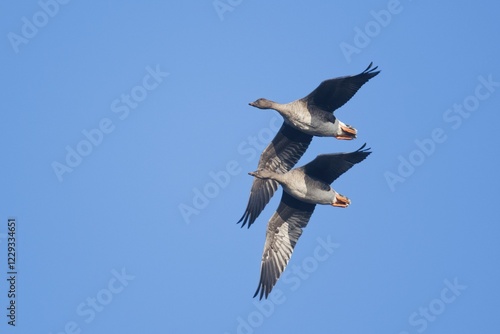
(262, 103)
(262, 173)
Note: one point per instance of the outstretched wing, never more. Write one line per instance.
(328, 167)
(280, 155)
(334, 93)
(283, 231)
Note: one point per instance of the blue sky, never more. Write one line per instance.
(127, 138)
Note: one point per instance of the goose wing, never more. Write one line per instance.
(280, 155)
(328, 167)
(283, 231)
(334, 93)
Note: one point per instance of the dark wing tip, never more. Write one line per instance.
(260, 195)
(369, 69)
(363, 149)
(245, 218)
(362, 152)
(369, 72)
(263, 289)
(265, 285)
(260, 289)
(248, 218)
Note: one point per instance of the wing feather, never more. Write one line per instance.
(332, 94)
(280, 155)
(283, 232)
(328, 167)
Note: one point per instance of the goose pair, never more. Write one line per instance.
(306, 186)
(303, 119)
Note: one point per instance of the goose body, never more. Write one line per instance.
(304, 118)
(313, 114)
(311, 120)
(303, 188)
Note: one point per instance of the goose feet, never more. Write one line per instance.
(348, 132)
(341, 201)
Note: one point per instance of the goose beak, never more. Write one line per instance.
(252, 104)
(252, 174)
(341, 201)
(348, 132)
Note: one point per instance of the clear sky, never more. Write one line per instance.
(127, 137)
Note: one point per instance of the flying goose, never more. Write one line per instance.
(303, 188)
(313, 114)
(303, 119)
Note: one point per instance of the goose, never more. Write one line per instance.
(303, 188)
(303, 119)
(313, 114)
